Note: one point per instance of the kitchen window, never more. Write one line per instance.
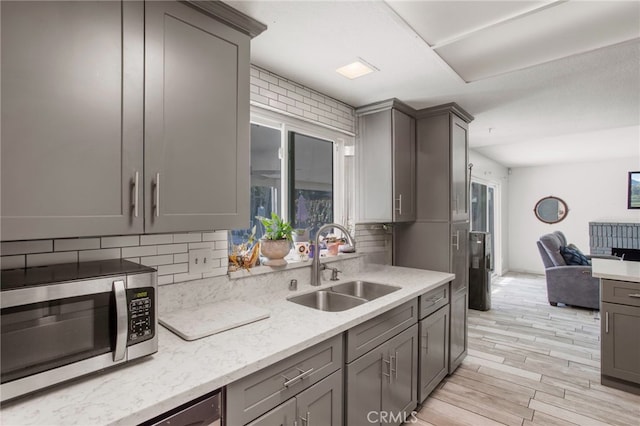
(297, 171)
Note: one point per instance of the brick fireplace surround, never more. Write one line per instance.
(603, 236)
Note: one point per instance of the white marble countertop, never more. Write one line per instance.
(182, 371)
(616, 269)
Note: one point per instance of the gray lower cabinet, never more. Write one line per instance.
(381, 385)
(620, 312)
(122, 117)
(434, 351)
(458, 335)
(257, 394)
(320, 405)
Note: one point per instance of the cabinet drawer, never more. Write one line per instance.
(259, 392)
(366, 336)
(623, 292)
(434, 300)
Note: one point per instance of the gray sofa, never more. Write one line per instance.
(568, 284)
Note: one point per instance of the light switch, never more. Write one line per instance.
(200, 261)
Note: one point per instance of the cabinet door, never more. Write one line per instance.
(321, 404)
(404, 167)
(72, 99)
(458, 330)
(283, 415)
(620, 343)
(459, 257)
(375, 172)
(399, 395)
(196, 121)
(364, 387)
(434, 351)
(459, 169)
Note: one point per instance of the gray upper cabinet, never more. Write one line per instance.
(124, 117)
(386, 163)
(72, 117)
(442, 164)
(196, 121)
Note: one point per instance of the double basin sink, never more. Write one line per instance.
(343, 296)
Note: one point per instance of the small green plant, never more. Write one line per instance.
(275, 228)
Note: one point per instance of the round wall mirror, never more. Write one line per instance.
(551, 210)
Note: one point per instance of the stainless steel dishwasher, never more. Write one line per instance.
(203, 411)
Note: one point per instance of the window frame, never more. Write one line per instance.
(286, 124)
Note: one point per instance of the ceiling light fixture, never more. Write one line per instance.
(356, 69)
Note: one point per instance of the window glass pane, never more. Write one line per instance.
(265, 180)
(478, 207)
(311, 182)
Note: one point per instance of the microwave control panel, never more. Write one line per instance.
(141, 314)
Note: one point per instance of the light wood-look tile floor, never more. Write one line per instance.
(529, 363)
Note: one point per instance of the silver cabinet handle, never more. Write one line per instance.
(306, 421)
(121, 320)
(634, 295)
(457, 243)
(399, 209)
(436, 300)
(606, 322)
(156, 188)
(300, 376)
(396, 363)
(392, 362)
(388, 376)
(135, 194)
(426, 342)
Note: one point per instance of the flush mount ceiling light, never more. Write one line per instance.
(356, 69)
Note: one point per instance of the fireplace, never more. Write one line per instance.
(612, 237)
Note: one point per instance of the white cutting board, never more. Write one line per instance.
(205, 320)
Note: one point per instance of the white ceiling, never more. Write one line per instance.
(554, 81)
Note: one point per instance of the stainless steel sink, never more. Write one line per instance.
(328, 301)
(364, 289)
(344, 296)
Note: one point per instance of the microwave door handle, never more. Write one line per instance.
(121, 320)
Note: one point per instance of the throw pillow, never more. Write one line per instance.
(573, 256)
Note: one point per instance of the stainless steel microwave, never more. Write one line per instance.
(59, 322)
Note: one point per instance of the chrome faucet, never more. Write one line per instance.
(315, 263)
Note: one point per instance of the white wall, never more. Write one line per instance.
(594, 191)
(488, 171)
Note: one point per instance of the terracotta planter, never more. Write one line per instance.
(275, 251)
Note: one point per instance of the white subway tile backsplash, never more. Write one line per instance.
(216, 272)
(221, 245)
(264, 75)
(311, 116)
(26, 247)
(303, 92)
(256, 81)
(133, 259)
(139, 251)
(214, 236)
(286, 85)
(187, 238)
(165, 279)
(69, 244)
(176, 268)
(173, 248)
(286, 100)
(43, 259)
(295, 110)
(147, 240)
(268, 93)
(260, 99)
(102, 254)
(303, 106)
(121, 241)
(277, 89)
(204, 245)
(220, 254)
(295, 96)
(13, 262)
(277, 104)
(165, 259)
(181, 258)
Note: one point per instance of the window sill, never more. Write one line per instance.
(291, 264)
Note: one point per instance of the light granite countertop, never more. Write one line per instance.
(181, 371)
(616, 270)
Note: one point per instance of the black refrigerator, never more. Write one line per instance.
(480, 268)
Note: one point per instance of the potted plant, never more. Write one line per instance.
(276, 242)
